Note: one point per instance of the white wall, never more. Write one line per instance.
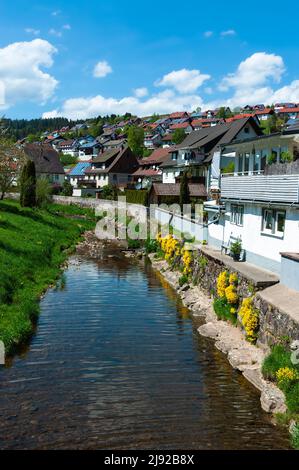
(253, 241)
(169, 176)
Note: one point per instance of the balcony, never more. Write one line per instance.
(260, 187)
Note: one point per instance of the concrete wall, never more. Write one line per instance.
(289, 276)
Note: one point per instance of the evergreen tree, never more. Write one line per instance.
(184, 190)
(28, 185)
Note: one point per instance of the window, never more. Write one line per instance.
(237, 214)
(273, 222)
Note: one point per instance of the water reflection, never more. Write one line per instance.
(116, 362)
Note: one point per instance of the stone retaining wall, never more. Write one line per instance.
(207, 276)
(275, 325)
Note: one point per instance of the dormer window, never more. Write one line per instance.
(174, 156)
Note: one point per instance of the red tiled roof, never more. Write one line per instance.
(264, 111)
(168, 137)
(182, 125)
(178, 115)
(158, 156)
(144, 172)
(289, 110)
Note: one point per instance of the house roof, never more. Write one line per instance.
(158, 156)
(181, 125)
(79, 169)
(167, 137)
(114, 143)
(146, 172)
(120, 160)
(289, 110)
(105, 156)
(173, 189)
(45, 158)
(178, 115)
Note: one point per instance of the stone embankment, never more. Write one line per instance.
(229, 339)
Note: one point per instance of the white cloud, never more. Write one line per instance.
(208, 34)
(184, 80)
(102, 69)
(21, 74)
(67, 27)
(229, 32)
(56, 13)
(164, 102)
(33, 31)
(141, 92)
(55, 32)
(254, 71)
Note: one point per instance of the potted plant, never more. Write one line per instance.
(236, 249)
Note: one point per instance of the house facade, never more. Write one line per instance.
(259, 202)
(47, 162)
(112, 167)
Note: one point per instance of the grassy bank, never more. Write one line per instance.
(33, 245)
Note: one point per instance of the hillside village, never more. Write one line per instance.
(242, 166)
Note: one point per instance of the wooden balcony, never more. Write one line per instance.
(260, 187)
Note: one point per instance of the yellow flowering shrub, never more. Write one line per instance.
(169, 245)
(249, 317)
(285, 376)
(187, 261)
(231, 294)
(222, 284)
(233, 279)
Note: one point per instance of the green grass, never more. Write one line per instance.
(33, 246)
(295, 437)
(278, 358)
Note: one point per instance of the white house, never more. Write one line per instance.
(259, 202)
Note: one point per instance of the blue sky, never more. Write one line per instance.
(176, 55)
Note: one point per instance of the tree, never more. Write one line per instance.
(28, 185)
(11, 160)
(178, 136)
(68, 159)
(184, 190)
(136, 140)
(67, 189)
(224, 113)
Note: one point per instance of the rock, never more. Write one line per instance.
(223, 346)
(255, 377)
(209, 330)
(273, 400)
(184, 288)
(239, 358)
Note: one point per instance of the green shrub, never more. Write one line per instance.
(277, 359)
(286, 157)
(183, 280)
(223, 310)
(134, 244)
(295, 437)
(135, 196)
(292, 397)
(67, 189)
(151, 246)
(43, 192)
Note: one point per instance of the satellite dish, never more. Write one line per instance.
(138, 186)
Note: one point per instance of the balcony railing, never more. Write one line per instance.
(254, 186)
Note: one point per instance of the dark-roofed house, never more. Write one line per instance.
(170, 192)
(149, 169)
(200, 152)
(113, 167)
(47, 162)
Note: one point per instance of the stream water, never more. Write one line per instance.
(116, 363)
